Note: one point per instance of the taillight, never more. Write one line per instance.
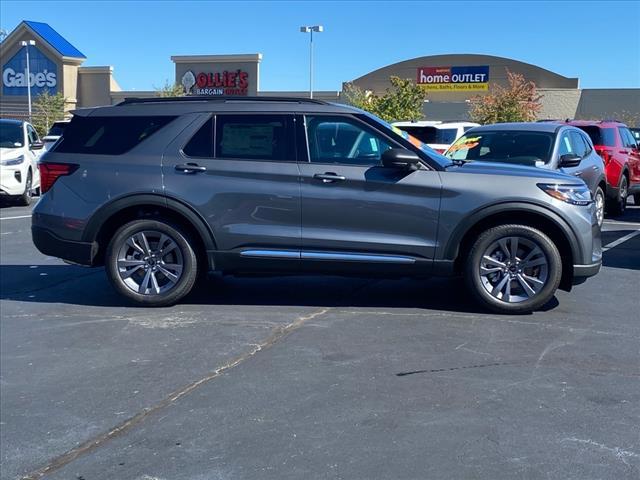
(605, 153)
(50, 172)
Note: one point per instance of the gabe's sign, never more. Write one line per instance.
(453, 78)
(234, 82)
(43, 74)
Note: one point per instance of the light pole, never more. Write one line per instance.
(310, 29)
(26, 44)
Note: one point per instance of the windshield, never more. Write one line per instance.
(518, 147)
(432, 135)
(11, 135)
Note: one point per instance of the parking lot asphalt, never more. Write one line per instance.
(315, 377)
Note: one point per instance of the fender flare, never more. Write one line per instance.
(105, 212)
(452, 247)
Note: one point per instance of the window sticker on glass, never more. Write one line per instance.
(374, 144)
(247, 140)
(567, 144)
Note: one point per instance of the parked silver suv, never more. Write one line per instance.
(159, 190)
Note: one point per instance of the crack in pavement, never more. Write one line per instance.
(93, 443)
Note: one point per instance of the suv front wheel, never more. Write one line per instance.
(151, 262)
(513, 269)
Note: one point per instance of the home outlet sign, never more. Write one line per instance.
(235, 82)
(43, 74)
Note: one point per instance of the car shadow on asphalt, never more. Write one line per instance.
(73, 285)
(625, 255)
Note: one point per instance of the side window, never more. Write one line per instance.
(587, 142)
(565, 145)
(201, 144)
(255, 137)
(32, 134)
(627, 138)
(344, 141)
(579, 146)
(108, 135)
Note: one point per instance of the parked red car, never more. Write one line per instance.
(620, 152)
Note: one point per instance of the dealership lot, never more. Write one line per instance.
(315, 377)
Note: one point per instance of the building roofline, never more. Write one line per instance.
(241, 57)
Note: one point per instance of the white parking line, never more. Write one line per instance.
(620, 240)
(14, 218)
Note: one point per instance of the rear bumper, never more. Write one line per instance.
(81, 253)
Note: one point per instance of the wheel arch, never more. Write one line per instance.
(531, 215)
(104, 222)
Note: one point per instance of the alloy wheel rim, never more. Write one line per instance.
(27, 187)
(514, 269)
(150, 262)
(600, 208)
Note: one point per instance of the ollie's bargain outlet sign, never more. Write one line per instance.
(216, 83)
(453, 78)
(43, 74)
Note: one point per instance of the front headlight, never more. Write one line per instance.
(573, 194)
(12, 161)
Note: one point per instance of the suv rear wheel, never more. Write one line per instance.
(151, 262)
(25, 198)
(513, 269)
(619, 204)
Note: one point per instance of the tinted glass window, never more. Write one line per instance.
(565, 146)
(600, 136)
(255, 137)
(33, 135)
(11, 135)
(432, 134)
(344, 141)
(627, 138)
(587, 142)
(524, 148)
(201, 144)
(57, 129)
(579, 146)
(108, 135)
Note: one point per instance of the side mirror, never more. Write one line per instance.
(400, 158)
(569, 160)
(36, 146)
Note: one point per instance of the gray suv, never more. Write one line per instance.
(161, 190)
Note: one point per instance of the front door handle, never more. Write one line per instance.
(190, 168)
(578, 174)
(329, 177)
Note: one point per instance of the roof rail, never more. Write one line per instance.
(221, 99)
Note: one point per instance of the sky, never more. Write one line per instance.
(596, 41)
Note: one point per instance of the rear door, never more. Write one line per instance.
(356, 211)
(239, 172)
(633, 152)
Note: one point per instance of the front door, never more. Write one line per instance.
(239, 172)
(357, 211)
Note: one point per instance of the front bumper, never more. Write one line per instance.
(81, 253)
(11, 181)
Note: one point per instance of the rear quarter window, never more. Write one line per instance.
(108, 135)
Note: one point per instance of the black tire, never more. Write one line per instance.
(600, 201)
(530, 238)
(618, 205)
(636, 199)
(25, 198)
(187, 256)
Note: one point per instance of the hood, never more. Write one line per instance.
(510, 170)
(11, 152)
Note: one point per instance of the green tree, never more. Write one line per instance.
(47, 109)
(170, 90)
(402, 101)
(518, 102)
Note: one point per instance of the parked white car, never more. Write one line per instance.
(20, 148)
(438, 135)
(54, 133)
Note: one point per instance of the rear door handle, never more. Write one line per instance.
(190, 168)
(329, 177)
